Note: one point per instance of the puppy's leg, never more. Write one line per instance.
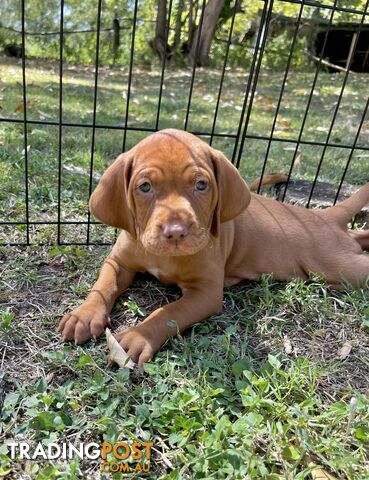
(362, 237)
(90, 319)
(197, 304)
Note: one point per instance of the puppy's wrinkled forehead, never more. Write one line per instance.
(171, 153)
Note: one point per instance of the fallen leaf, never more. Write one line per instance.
(317, 472)
(116, 352)
(21, 106)
(320, 474)
(283, 121)
(287, 345)
(208, 98)
(344, 352)
(270, 106)
(80, 171)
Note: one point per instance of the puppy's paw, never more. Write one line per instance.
(83, 323)
(139, 343)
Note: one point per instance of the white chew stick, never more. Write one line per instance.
(116, 352)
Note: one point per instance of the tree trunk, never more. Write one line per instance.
(116, 39)
(178, 25)
(191, 25)
(159, 43)
(210, 18)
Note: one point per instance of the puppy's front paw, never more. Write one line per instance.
(139, 343)
(83, 323)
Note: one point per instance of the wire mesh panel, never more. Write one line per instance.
(65, 121)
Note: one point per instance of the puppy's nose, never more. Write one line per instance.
(175, 231)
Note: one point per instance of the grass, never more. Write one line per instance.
(257, 392)
(42, 95)
(262, 391)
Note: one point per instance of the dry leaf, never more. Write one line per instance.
(80, 171)
(270, 106)
(287, 345)
(116, 352)
(318, 473)
(22, 105)
(301, 91)
(283, 121)
(344, 352)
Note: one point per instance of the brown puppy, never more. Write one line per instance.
(182, 207)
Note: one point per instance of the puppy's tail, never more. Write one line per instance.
(269, 179)
(344, 211)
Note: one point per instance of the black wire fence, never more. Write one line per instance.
(32, 213)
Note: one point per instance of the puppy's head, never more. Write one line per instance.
(171, 191)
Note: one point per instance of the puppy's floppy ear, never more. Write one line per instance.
(109, 201)
(233, 193)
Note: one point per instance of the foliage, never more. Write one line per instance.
(82, 16)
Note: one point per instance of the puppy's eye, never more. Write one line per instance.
(201, 185)
(145, 187)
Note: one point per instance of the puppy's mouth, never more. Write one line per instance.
(191, 244)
